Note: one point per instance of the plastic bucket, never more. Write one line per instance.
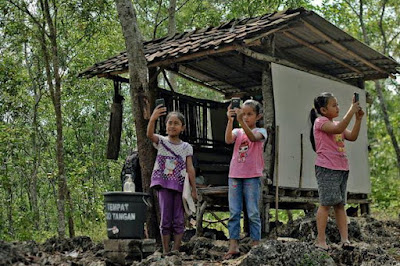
(125, 214)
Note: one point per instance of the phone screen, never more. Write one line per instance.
(356, 97)
(235, 103)
(160, 101)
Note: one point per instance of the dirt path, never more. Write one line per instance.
(376, 243)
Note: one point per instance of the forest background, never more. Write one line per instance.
(54, 126)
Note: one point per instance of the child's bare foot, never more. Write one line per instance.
(233, 251)
(231, 255)
(322, 246)
(255, 243)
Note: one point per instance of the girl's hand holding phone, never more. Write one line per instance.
(360, 114)
(230, 113)
(158, 111)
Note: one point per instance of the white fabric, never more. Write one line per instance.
(188, 203)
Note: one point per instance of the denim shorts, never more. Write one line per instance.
(331, 186)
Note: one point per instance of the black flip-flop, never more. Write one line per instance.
(346, 246)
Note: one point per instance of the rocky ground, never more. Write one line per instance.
(376, 243)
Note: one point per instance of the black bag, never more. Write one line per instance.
(132, 167)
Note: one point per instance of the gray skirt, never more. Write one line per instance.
(331, 186)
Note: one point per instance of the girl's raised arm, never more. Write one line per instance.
(229, 138)
(158, 111)
(339, 128)
(253, 137)
(353, 134)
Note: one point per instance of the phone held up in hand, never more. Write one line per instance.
(235, 103)
(160, 101)
(356, 97)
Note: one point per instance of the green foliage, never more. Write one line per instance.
(385, 195)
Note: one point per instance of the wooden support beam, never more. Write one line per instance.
(318, 50)
(344, 49)
(231, 84)
(193, 56)
(115, 77)
(256, 40)
(276, 176)
(269, 125)
(268, 58)
(113, 73)
(184, 75)
(167, 80)
(201, 208)
(301, 162)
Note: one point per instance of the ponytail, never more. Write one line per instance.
(319, 102)
(313, 116)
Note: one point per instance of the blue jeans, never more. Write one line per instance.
(250, 189)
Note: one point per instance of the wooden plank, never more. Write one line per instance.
(301, 161)
(213, 157)
(216, 179)
(192, 56)
(199, 218)
(214, 167)
(344, 49)
(268, 58)
(318, 50)
(277, 176)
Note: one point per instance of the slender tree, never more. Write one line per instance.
(138, 79)
(172, 32)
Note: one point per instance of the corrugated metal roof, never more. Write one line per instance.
(299, 36)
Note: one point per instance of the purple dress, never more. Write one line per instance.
(170, 166)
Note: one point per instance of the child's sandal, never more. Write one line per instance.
(347, 246)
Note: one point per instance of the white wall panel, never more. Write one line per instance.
(294, 92)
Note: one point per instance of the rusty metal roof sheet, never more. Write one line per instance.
(347, 57)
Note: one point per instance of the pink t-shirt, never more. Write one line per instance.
(247, 158)
(330, 149)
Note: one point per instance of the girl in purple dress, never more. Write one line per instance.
(173, 162)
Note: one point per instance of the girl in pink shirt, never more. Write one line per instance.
(331, 165)
(245, 170)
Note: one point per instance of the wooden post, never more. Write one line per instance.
(277, 179)
(364, 208)
(199, 219)
(269, 125)
(301, 161)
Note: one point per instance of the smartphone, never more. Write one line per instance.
(235, 103)
(356, 97)
(160, 101)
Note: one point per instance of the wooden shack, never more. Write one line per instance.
(283, 59)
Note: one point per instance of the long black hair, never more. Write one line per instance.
(319, 102)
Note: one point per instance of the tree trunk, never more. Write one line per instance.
(55, 92)
(389, 128)
(138, 90)
(33, 198)
(172, 32)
